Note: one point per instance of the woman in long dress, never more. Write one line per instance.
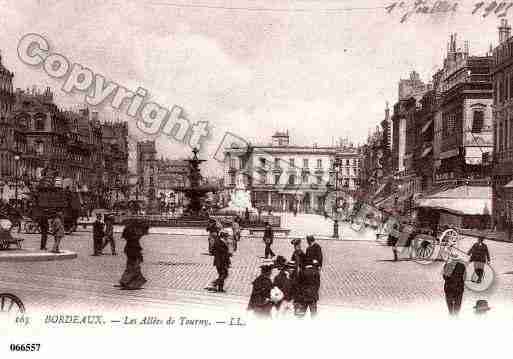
(132, 278)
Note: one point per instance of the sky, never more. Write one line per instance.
(320, 69)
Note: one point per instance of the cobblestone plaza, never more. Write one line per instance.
(357, 275)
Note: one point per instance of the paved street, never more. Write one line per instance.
(357, 275)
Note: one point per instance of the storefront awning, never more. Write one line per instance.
(463, 200)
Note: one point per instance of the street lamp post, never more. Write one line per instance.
(16, 160)
(335, 214)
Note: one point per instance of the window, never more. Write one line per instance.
(304, 178)
(277, 179)
(319, 179)
(319, 163)
(478, 122)
(277, 163)
(292, 179)
(262, 161)
(232, 179)
(39, 148)
(291, 162)
(40, 124)
(263, 178)
(305, 163)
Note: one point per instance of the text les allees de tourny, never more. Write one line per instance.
(149, 320)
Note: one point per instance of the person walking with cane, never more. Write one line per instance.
(479, 255)
(98, 234)
(268, 240)
(109, 234)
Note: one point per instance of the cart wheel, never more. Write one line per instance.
(9, 303)
(449, 238)
(426, 249)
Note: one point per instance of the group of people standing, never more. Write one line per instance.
(51, 224)
(294, 288)
(103, 234)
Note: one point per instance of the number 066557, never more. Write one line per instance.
(24, 347)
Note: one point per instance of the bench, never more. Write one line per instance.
(6, 239)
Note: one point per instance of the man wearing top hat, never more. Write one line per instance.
(221, 260)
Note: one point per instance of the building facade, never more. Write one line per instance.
(286, 177)
(502, 74)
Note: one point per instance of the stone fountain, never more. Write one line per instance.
(196, 192)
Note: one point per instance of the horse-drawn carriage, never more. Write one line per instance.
(423, 243)
(50, 200)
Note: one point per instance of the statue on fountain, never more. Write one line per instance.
(240, 198)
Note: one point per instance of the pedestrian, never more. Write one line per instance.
(58, 232)
(297, 261)
(132, 277)
(313, 252)
(221, 261)
(235, 232)
(260, 300)
(408, 233)
(479, 255)
(306, 294)
(454, 273)
(284, 283)
(109, 234)
(98, 234)
(268, 240)
(213, 229)
(43, 227)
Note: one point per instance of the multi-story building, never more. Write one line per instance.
(424, 134)
(387, 128)
(502, 74)
(146, 167)
(115, 156)
(6, 90)
(403, 121)
(463, 123)
(285, 177)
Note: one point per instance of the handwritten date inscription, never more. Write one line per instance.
(483, 8)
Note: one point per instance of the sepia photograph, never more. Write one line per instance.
(181, 177)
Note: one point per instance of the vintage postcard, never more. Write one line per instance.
(182, 176)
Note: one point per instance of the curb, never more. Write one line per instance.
(38, 256)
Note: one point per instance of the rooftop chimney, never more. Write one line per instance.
(504, 31)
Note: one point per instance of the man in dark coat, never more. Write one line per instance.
(479, 255)
(454, 273)
(313, 252)
(260, 299)
(221, 261)
(268, 240)
(44, 227)
(98, 234)
(307, 291)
